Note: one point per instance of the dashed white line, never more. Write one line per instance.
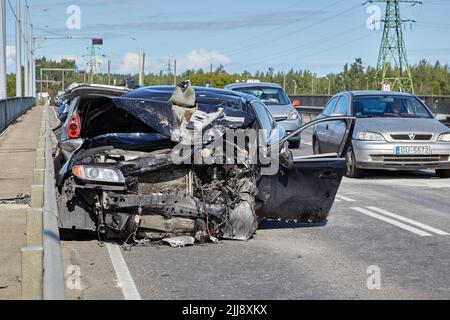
(124, 278)
(307, 143)
(339, 197)
(410, 221)
(393, 222)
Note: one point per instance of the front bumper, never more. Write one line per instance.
(381, 155)
(291, 126)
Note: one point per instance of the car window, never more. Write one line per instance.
(389, 106)
(270, 96)
(265, 118)
(341, 107)
(329, 108)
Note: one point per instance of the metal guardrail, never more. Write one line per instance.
(42, 263)
(13, 108)
(313, 105)
(437, 104)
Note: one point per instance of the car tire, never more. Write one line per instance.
(294, 145)
(352, 169)
(443, 174)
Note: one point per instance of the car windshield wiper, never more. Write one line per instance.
(396, 115)
(367, 116)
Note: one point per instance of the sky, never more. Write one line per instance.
(320, 35)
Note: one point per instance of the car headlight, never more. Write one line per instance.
(293, 115)
(98, 174)
(370, 136)
(445, 137)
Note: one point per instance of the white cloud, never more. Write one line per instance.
(129, 63)
(10, 55)
(202, 58)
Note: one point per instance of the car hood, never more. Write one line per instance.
(171, 120)
(280, 111)
(400, 125)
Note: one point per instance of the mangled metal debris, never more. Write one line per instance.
(131, 169)
(180, 242)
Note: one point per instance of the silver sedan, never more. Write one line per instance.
(393, 131)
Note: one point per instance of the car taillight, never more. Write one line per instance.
(73, 130)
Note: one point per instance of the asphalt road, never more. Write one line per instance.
(387, 238)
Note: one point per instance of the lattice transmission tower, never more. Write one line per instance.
(393, 66)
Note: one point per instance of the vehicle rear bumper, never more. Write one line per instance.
(381, 155)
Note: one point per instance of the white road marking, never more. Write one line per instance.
(393, 222)
(345, 198)
(124, 278)
(307, 143)
(433, 183)
(410, 221)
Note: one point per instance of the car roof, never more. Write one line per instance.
(252, 85)
(379, 93)
(77, 90)
(145, 92)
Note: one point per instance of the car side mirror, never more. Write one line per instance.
(441, 117)
(296, 103)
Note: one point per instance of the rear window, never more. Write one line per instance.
(270, 96)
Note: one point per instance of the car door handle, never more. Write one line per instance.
(327, 127)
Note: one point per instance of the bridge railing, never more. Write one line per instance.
(13, 108)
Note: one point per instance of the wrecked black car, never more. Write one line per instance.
(159, 162)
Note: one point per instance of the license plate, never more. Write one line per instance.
(412, 151)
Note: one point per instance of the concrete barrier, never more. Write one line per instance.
(42, 265)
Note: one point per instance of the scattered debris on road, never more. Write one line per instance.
(180, 242)
(21, 198)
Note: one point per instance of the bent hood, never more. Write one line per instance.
(179, 123)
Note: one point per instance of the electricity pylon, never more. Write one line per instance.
(94, 59)
(393, 66)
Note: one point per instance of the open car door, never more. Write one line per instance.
(305, 188)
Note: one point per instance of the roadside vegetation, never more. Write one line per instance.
(429, 78)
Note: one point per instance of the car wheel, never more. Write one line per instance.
(352, 169)
(443, 174)
(294, 145)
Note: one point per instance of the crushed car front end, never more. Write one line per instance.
(137, 175)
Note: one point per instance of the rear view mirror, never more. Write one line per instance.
(441, 117)
(296, 103)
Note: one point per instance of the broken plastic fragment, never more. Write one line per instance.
(180, 242)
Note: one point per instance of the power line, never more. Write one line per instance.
(279, 27)
(310, 45)
(296, 31)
